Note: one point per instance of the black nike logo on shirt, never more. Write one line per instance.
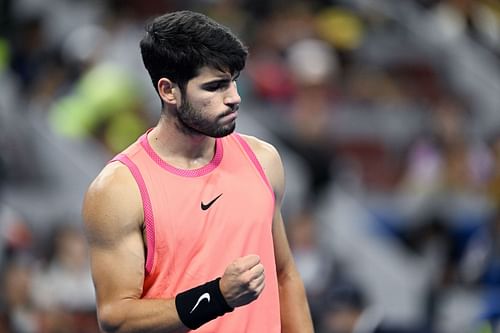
(207, 206)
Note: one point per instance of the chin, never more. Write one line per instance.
(225, 131)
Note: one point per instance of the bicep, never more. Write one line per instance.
(111, 215)
(118, 268)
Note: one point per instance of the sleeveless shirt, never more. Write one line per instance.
(197, 221)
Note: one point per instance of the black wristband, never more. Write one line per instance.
(201, 304)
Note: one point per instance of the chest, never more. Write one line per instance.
(222, 199)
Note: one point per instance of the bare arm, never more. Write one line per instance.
(113, 216)
(295, 313)
(112, 213)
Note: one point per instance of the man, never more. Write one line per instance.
(184, 226)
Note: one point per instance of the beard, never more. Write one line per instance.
(191, 121)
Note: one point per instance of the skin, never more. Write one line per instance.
(114, 218)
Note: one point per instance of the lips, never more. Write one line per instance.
(230, 115)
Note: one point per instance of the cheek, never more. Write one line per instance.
(207, 103)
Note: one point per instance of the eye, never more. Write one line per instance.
(218, 85)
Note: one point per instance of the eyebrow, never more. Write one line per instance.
(221, 78)
(216, 80)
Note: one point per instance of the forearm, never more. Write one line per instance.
(140, 315)
(295, 313)
(186, 311)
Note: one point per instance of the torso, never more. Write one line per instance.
(188, 245)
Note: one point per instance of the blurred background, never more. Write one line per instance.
(386, 114)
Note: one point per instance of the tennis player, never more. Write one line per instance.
(184, 226)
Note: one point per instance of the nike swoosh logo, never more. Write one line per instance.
(202, 297)
(207, 206)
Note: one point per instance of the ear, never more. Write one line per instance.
(167, 90)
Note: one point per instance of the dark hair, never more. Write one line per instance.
(176, 45)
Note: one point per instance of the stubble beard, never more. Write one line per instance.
(191, 122)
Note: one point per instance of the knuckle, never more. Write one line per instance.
(246, 278)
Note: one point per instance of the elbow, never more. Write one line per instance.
(109, 319)
(287, 271)
(289, 276)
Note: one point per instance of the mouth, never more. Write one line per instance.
(230, 115)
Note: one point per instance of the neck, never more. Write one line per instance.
(180, 149)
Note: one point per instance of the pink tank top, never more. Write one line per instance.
(198, 221)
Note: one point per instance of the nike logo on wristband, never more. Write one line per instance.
(207, 206)
(202, 297)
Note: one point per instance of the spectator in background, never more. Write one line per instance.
(314, 263)
(104, 106)
(62, 285)
(450, 159)
(348, 311)
(29, 52)
(281, 75)
(105, 102)
(64, 279)
(343, 308)
(309, 111)
(447, 172)
(311, 108)
(22, 315)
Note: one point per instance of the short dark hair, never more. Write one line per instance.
(178, 44)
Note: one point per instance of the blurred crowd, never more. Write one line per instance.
(386, 114)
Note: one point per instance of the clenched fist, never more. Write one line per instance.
(243, 281)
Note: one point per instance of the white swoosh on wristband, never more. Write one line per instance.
(202, 297)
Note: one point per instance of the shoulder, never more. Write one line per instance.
(265, 152)
(112, 198)
(113, 178)
(270, 160)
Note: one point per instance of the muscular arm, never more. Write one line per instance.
(295, 313)
(112, 213)
(113, 216)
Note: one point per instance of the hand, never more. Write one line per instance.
(243, 281)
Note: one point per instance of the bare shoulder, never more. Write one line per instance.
(270, 161)
(112, 202)
(265, 152)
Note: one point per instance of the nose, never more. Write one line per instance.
(232, 97)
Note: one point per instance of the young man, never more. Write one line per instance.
(184, 226)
